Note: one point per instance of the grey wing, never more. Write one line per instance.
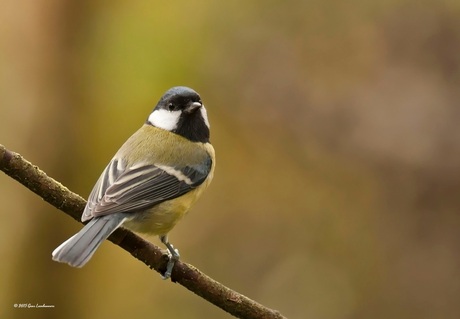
(131, 189)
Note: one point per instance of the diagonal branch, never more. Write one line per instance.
(61, 197)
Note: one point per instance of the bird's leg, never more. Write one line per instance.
(173, 256)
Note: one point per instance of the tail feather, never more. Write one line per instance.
(78, 249)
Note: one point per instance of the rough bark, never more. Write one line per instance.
(184, 274)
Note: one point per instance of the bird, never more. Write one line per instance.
(152, 181)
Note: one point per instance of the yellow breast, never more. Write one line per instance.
(160, 219)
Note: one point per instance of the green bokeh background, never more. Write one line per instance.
(336, 127)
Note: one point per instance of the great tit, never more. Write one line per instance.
(152, 181)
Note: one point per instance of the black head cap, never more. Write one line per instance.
(181, 111)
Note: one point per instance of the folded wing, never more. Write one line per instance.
(123, 189)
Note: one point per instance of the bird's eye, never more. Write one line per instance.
(171, 107)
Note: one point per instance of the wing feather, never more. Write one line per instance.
(130, 189)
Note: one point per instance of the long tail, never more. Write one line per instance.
(78, 249)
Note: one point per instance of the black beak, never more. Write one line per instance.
(193, 107)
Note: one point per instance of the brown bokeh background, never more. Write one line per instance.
(336, 126)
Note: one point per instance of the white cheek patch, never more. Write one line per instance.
(204, 114)
(165, 119)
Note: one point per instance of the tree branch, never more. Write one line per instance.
(72, 204)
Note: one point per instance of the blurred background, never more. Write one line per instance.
(336, 126)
